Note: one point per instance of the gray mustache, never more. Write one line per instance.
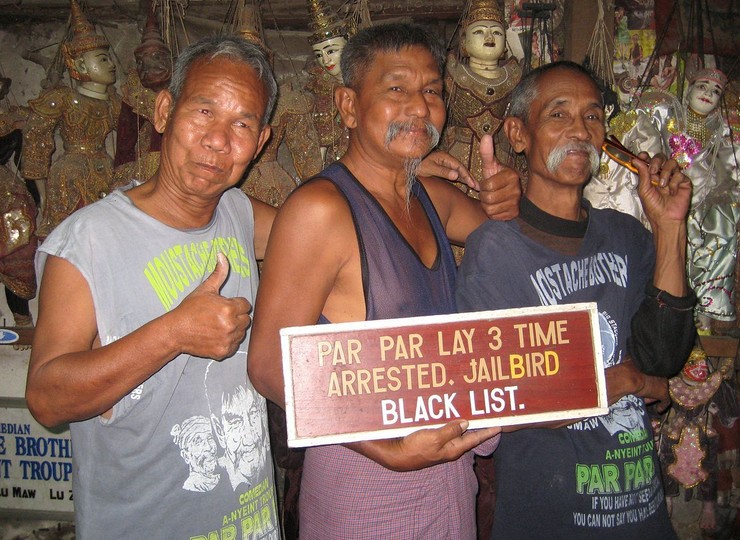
(396, 128)
(556, 157)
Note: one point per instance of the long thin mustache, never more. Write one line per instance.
(396, 128)
(556, 157)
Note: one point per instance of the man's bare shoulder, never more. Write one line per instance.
(318, 201)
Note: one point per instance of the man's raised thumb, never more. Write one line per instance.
(219, 274)
(489, 161)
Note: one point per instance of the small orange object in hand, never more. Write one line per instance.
(619, 153)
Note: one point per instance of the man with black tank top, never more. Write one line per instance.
(598, 477)
(366, 240)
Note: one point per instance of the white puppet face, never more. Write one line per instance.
(485, 40)
(704, 96)
(328, 54)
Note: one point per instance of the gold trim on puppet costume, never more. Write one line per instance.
(484, 10)
(84, 39)
(250, 25)
(324, 23)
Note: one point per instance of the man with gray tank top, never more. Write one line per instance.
(141, 342)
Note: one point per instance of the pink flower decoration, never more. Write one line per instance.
(684, 148)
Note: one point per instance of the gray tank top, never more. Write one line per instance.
(186, 454)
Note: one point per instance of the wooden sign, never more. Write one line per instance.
(35, 466)
(382, 379)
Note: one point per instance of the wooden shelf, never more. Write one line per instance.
(723, 346)
(25, 334)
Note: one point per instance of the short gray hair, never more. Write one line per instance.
(361, 49)
(527, 90)
(233, 48)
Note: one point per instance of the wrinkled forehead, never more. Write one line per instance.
(551, 81)
(414, 56)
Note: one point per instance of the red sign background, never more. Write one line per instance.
(382, 379)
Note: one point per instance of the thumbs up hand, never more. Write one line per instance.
(208, 324)
(500, 189)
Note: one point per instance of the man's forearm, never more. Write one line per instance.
(267, 381)
(79, 385)
(625, 379)
(670, 258)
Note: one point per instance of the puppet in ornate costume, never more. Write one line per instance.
(329, 37)
(478, 89)
(291, 125)
(137, 142)
(695, 134)
(84, 116)
(705, 147)
(688, 441)
(17, 223)
(616, 186)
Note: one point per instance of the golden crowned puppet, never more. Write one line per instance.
(478, 83)
(328, 38)
(268, 180)
(84, 116)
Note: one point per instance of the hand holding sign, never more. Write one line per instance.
(425, 447)
(209, 325)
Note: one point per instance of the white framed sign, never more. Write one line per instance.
(382, 379)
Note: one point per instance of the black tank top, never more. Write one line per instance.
(395, 281)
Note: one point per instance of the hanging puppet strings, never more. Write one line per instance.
(244, 18)
(359, 16)
(173, 15)
(598, 56)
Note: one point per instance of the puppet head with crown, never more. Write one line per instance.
(329, 36)
(153, 56)
(87, 58)
(483, 36)
(706, 87)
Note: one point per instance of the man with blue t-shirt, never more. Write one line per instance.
(598, 477)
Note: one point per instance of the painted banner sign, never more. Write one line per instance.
(381, 379)
(35, 465)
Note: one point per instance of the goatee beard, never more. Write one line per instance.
(410, 167)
